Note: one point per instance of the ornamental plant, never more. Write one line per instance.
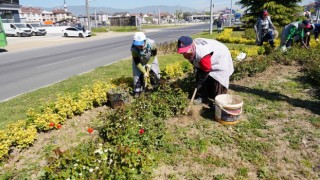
(5, 143)
(176, 70)
(65, 106)
(90, 130)
(21, 134)
(129, 140)
(43, 119)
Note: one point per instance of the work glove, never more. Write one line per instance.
(141, 68)
(201, 77)
(283, 49)
(317, 39)
(146, 76)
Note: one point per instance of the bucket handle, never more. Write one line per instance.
(234, 114)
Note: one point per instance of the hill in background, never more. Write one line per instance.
(81, 10)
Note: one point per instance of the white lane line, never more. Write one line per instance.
(60, 62)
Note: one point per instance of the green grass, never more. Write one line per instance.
(16, 108)
(250, 148)
(131, 28)
(154, 26)
(205, 34)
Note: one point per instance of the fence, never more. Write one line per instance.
(124, 21)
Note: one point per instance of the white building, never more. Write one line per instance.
(30, 14)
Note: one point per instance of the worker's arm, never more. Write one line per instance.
(154, 48)
(292, 33)
(256, 25)
(137, 62)
(204, 70)
(301, 34)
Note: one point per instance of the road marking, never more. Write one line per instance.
(60, 62)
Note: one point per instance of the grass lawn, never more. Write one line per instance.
(277, 138)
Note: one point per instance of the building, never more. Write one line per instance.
(47, 16)
(9, 11)
(30, 14)
(61, 15)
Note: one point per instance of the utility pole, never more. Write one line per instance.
(30, 12)
(159, 17)
(230, 14)
(65, 6)
(211, 21)
(318, 10)
(88, 15)
(95, 17)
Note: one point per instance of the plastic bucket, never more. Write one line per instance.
(228, 108)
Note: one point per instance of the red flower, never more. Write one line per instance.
(51, 124)
(90, 130)
(141, 131)
(59, 126)
(139, 152)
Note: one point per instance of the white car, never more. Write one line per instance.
(76, 32)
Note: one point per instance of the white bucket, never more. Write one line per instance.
(228, 108)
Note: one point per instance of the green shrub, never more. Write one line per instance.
(130, 138)
(123, 28)
(250, 33)
(250, 67)
(100, 29)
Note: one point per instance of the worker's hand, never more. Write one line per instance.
(147, 67)
(146, 75)
(283, 49)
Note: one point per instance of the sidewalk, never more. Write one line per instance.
(24, 43)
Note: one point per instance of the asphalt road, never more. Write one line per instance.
(29, 69)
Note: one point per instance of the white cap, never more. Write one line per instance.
(138, 38)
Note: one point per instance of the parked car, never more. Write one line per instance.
(76, 32)
(16, 29)
(36, 29)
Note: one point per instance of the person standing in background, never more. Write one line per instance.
(264, 29)
(220, 23)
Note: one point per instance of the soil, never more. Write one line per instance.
(75, 132)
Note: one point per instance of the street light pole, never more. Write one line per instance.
(30, 13)
(211, 21)
(230, 14)
(88, 16)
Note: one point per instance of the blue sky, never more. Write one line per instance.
(127, 4)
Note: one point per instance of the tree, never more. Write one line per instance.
(186, 14)
(282, 12)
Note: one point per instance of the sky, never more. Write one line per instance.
(203, 5)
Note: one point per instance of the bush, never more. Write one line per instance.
(250, 33)
(100, 29)
(250, 67)
(130, 138)
(21, 134)
(5, 144)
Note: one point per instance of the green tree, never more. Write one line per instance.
(186, 14)
(282, 12)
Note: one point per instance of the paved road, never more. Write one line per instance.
(32, 64)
